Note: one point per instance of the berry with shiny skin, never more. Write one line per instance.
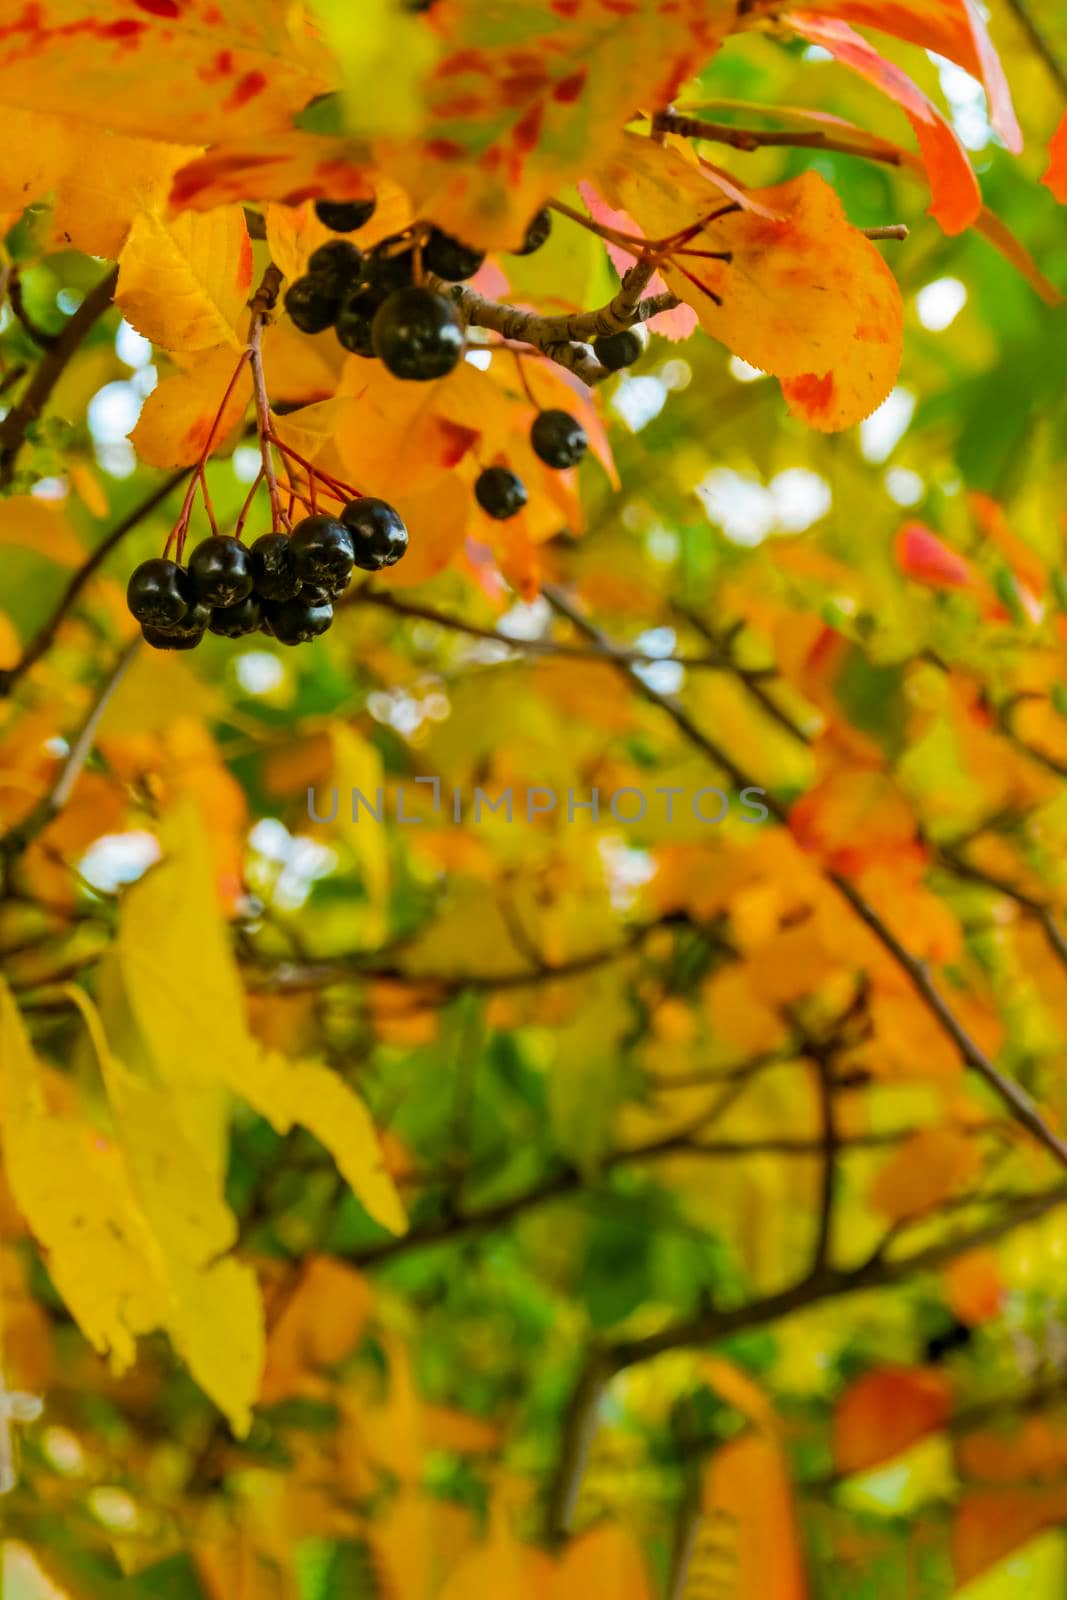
(617, 350)
(537, 232)
(296, 622)
(558, 439)
(164, 639)
(312, 304)
(379, 537)
(322, 552)
(450, 258)
(344, 216)
(418, 334)
(355, 319)
(500, 492)
(391, 263)
(158, 593)
(336, 264)
(234, 622)
(221, 570)
(273, 574)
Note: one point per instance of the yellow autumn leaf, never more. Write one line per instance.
(213, 1313)
(183, 283)
(359, 778)
(32, 523)
(927, 1168)
(178, 967)
(106, 178)
(71, 1187)
(183, 411)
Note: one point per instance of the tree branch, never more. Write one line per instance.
(1025, 18)
(48, 371)
(1007, 1089)
(44, 638)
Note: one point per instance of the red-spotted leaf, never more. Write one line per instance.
(956, 197)
(530, 93)
(803, 294)
(188, 70)
(951, 28)
(291, 167)
(1056, 176)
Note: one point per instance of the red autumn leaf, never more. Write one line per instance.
(884, 1412)
(924, 557)
(950, 28)
(956, 197)
(1056, 176)
(290, 167)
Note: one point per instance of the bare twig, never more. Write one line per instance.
(1041, 45)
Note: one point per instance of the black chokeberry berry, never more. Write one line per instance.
(379, 537)
(449, 258)
(159, 593)
(312, 304)
(336, 265)
(537, 232)
(165, 639)
(296, 622)
(500, 492)
(344, 216)
(558, 439)
(355, 318)
(234, 622)
(418, 334)
(391, 263)
(221, 570)
(273, 574)
(617, 350)
(322, 552)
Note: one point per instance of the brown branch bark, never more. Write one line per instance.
(47, 373)
(1006, 1089)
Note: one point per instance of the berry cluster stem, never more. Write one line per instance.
(278, 520)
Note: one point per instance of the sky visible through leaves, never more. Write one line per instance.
(555, 1085)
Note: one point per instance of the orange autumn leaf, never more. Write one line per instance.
(926, 1169)
(190, 407)
(1055, 177)
(606, 1560)
(183, 284)
(973, 1287)
(319, 1323)
(853, 819)
(951, 28)
(956, 197)
(746, 1492)
(803, 294)
(921, 555)
(884, 1412)
(990, 1523)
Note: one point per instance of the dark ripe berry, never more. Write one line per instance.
(500, 492)
(449, 258)
(158, 593)
(163, 639)
(315, 594)
(312, 304)
(336, 265)
(221, 570)
(536, 233)
(233, 622)
(273, 574)
(195, 620)
(418, 334)
(558, 439)
(391, 264)
(344, 216)
(296, 622)
(355, 318)
(379, 537)
(322, 552)
(617, 350)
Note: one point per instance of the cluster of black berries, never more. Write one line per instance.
(372, 301)
(557, 439)
(284, 585)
